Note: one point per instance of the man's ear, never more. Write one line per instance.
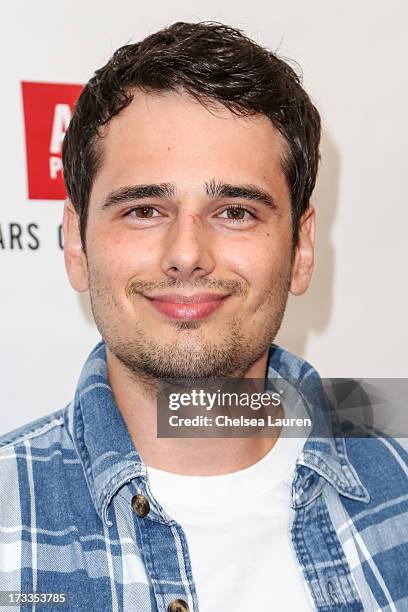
(75, 258)
(302, 269)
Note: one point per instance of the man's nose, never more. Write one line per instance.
(187, 252)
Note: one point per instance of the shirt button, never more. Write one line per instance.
(178, 605)
(140, 505)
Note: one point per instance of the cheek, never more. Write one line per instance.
(120, 258)
(260, 260)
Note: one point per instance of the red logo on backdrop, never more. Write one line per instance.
(47, 113)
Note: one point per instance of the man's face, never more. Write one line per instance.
(189, 239)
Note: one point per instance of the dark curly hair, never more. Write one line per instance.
(211, 62)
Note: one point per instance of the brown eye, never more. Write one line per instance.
(143, 212)
(236, 213)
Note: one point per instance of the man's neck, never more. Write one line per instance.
(189, 456)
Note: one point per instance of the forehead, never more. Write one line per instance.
(173, 137)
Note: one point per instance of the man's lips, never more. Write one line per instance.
(187, 307)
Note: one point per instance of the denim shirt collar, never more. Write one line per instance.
(110, 459)
(324, 455)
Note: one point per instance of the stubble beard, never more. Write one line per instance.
(191, 356)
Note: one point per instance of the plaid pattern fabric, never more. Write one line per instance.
(66, 521)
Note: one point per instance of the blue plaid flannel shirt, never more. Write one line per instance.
(66, 521)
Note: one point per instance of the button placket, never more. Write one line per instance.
(156, 537)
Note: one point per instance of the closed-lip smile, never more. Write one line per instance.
(187, 307)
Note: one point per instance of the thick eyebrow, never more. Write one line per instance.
(218, 189)
(138, 192)
(214, 189)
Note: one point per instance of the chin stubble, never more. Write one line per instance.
(147, 359)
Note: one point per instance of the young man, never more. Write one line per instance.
(189, 164)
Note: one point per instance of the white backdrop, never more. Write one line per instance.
(354, 319)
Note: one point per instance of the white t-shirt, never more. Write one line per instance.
(237, 527)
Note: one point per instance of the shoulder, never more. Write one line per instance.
(36, 461)
(39, 430)
(44, 442)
